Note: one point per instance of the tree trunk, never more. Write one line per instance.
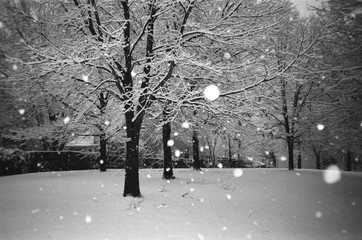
(290, 136)
(239, 149)
(167, 156)
(102, 105)
(299, 160)
(131, 183)
(103, 152)
(290, 153)
(272, 155)
(299, 155)
(349, 161)
(230, 153)
(317, 158)
(195, 150)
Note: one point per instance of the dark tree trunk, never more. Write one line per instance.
(349, 161)
(212, 156)
(102, 105)
(290, 153)
(272, 155)
(230, 153)
(131, 183)
(103, 152)
(167, 156)
(213, 152)
(239, 146)
(288, 130)
(195, 150)
(299, 155)
(299, 160)
(317, 158)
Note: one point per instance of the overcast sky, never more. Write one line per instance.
(302, 5)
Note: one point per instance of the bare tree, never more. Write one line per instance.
(133, 49)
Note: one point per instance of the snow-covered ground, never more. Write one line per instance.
(213, 204)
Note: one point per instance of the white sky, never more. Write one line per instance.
(302, 5)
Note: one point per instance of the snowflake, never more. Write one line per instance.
(170, 143)
(332, 174)
(227, 55)
(238, 172)
(320, 127)
(85, 78)
(211, 92)
(200, 236)
(66, 120)
(88, 219)
(318, 214)
(185, 125)
(177, 153)
(133, 73)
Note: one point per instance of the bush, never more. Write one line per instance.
(13, 161)
(42, 161)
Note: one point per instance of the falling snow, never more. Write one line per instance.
(133, 73)
(320, 127)
(185, 125)
(34, 211)
(318, 214)
(88, 219)
(66, 120)
(85, 78)
(238, 172)
(200, 236)
(227, 55)
(177, 153)
(211, 92)
(332, 174)
(170, 143)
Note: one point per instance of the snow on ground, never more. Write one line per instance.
(213, 204)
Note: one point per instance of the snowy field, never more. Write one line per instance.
(214, 204)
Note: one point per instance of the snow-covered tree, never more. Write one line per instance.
(132, 49)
